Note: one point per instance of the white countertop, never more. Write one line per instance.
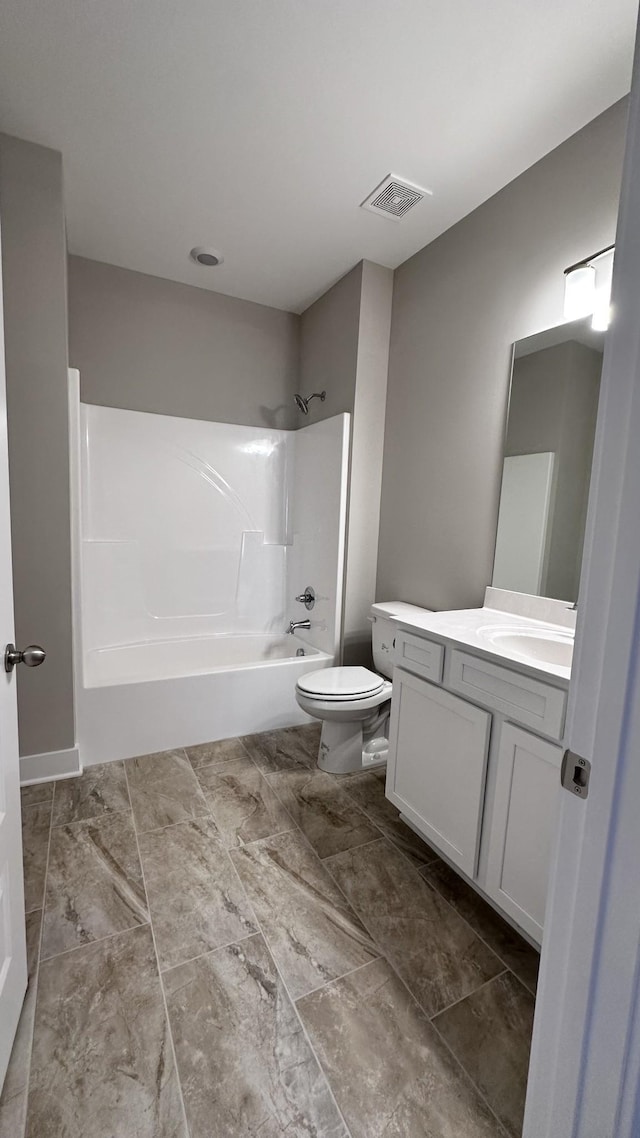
(473, 628)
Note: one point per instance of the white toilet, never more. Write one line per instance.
(353, 702)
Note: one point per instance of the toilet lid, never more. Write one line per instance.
(341, 683)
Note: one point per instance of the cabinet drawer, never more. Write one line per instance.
(422, 657)
(522, 698)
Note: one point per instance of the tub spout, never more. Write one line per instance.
(294, 625)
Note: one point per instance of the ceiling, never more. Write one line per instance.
(258, 126)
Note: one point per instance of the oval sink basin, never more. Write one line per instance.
(555, 648)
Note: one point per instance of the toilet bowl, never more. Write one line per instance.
(354, 703)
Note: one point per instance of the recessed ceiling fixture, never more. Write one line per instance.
(206, 256)
(394, 197)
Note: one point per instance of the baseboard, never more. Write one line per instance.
(49, 765)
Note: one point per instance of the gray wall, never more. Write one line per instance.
(344, 348)
(329, 332)
(458, 305)
(34, 267)
(367, 446)
(553, 407)
(148, 344)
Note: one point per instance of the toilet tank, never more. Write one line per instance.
(384, 619)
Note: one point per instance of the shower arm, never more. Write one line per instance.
(302, 402)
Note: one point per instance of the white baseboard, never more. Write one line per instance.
(49, 765)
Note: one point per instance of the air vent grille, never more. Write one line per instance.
(394, 197)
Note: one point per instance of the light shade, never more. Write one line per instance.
(579, 292)
(602, 298)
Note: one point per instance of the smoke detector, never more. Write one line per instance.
(206, 256)
(394, 197)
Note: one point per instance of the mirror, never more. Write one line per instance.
(553, 406)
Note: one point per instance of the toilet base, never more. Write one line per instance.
(349, 747)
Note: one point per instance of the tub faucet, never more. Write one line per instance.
(294, 625)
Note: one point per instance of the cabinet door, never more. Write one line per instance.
(437, 765)
(523, 825)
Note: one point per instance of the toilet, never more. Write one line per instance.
(354, 703)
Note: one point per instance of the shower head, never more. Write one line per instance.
(303, 404)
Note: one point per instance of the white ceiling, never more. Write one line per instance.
(258, 126)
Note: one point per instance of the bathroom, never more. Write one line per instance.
(299, 492)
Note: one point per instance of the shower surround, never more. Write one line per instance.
(191, 541)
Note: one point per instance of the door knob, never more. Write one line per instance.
(31, 656)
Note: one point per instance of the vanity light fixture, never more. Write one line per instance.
(587, 288)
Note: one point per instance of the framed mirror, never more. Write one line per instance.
(548, 452)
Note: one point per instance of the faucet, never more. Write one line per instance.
(294, 625)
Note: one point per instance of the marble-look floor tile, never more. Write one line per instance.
(489, 1032)
(102, 1063)
(308, 735)
(94, 883)
(367, 790)
(311, 930)
(328, 818)
(36, 823)
(195, 898)
(243, 805)
(164, 790)
(215, 754)
(13, 1113)
(99, 790)
(280, 750)
(391, 1074)
(13, 1100)
(36, 792)
(513, 949)
(437, 954)
(242, 1055)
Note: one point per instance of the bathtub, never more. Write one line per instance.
(137, 699)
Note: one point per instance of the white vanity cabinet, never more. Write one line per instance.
(469, 771)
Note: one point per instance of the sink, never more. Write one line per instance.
(543, 646)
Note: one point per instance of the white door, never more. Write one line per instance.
(527, 481)
(13, 952)
(523, 824)
(584, 1077)
(438, 747)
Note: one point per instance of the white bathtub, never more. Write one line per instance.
(141, 698)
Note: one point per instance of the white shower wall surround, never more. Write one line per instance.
(192, 540)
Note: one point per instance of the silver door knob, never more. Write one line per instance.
(31, 656)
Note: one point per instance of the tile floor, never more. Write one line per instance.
(226, 942)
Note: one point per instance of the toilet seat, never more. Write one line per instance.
(338, 684)
(358, 708)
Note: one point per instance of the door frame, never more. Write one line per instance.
(585, 1061)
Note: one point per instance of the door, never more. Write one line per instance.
(527, 481)
(13, 953)
(584, 1076)
(523, 825)
(438, 746)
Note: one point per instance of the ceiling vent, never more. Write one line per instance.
(394, 197)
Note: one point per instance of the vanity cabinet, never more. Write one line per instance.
(438, 783)
(524, 819)
(467, 771)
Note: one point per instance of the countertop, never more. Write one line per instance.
(471, 628)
